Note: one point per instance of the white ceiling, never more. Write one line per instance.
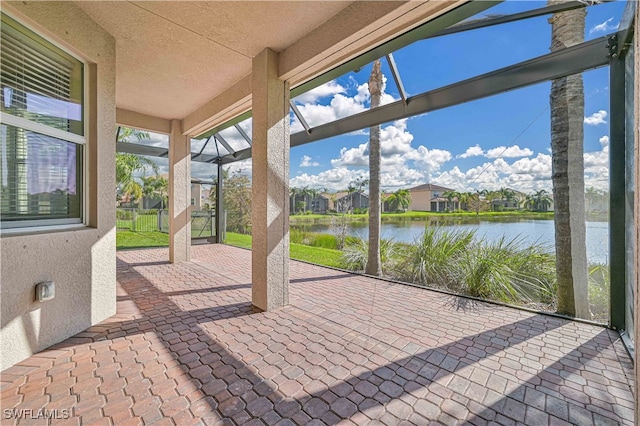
(174, 56)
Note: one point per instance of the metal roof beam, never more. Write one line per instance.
(225, 144)
(561, 63)
(138, 149)
(154, 151)
(503, 19)
(298, 114)
(396, 77)
(243, 134)
(238, 119)
(193, 157)
(558, 64)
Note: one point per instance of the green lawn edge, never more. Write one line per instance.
(321, 256)
(317, 255)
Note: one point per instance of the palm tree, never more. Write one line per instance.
(357, 185)
(148, 190)
(127, 165)
(293, 195)
(595, 200)
(450, 195)
(374, 266)
(464, 198)
(476, 199)
(400, 199)
(308, 194)
(529, 202)
(155, 187)
(505, 195)
(539, 201)
(567, 139)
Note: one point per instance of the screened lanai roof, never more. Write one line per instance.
(227, 143)
(231, 141)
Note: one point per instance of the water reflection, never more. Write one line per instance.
(530, 230)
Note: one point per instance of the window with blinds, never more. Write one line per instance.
(42, 130)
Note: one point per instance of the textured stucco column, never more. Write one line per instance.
(179, 194)
(270, 184)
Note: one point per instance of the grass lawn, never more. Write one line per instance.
(129, 239)
(321, 256)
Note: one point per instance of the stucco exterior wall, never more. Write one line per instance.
(82, 261)
(420, 201)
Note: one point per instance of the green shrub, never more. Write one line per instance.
(327, 241)
(356, 252)
(297, 235)
(435, 256)
(508, 270)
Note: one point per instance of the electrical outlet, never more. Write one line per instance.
(45, 291)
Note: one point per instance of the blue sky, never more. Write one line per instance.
(501, 141)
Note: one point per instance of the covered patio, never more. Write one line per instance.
(187, 347)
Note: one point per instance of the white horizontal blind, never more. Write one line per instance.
(39, 82)
(41, 148)
(28, 70)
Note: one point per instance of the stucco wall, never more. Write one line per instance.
(420, 201)
(81, 262)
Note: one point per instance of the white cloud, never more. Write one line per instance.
(428, 160)
(596, 168)
(539, 167)
(354, 157)
(400, 177)
(306, 162)
(316, 114)
(244, 167)
(335, 179)
(453, 178)
(328, 89)
(596, 118)
(340, 106)
(525, 174)
(395, 141)
(511, 152)
(604, 141)
(603, 27)
(339, 178)
(472, 151)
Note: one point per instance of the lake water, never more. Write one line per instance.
(530, 230)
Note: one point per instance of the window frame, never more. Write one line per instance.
(29, 226)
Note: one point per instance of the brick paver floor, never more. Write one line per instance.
(186, 347)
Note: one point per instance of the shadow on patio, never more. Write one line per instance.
(187, 345)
